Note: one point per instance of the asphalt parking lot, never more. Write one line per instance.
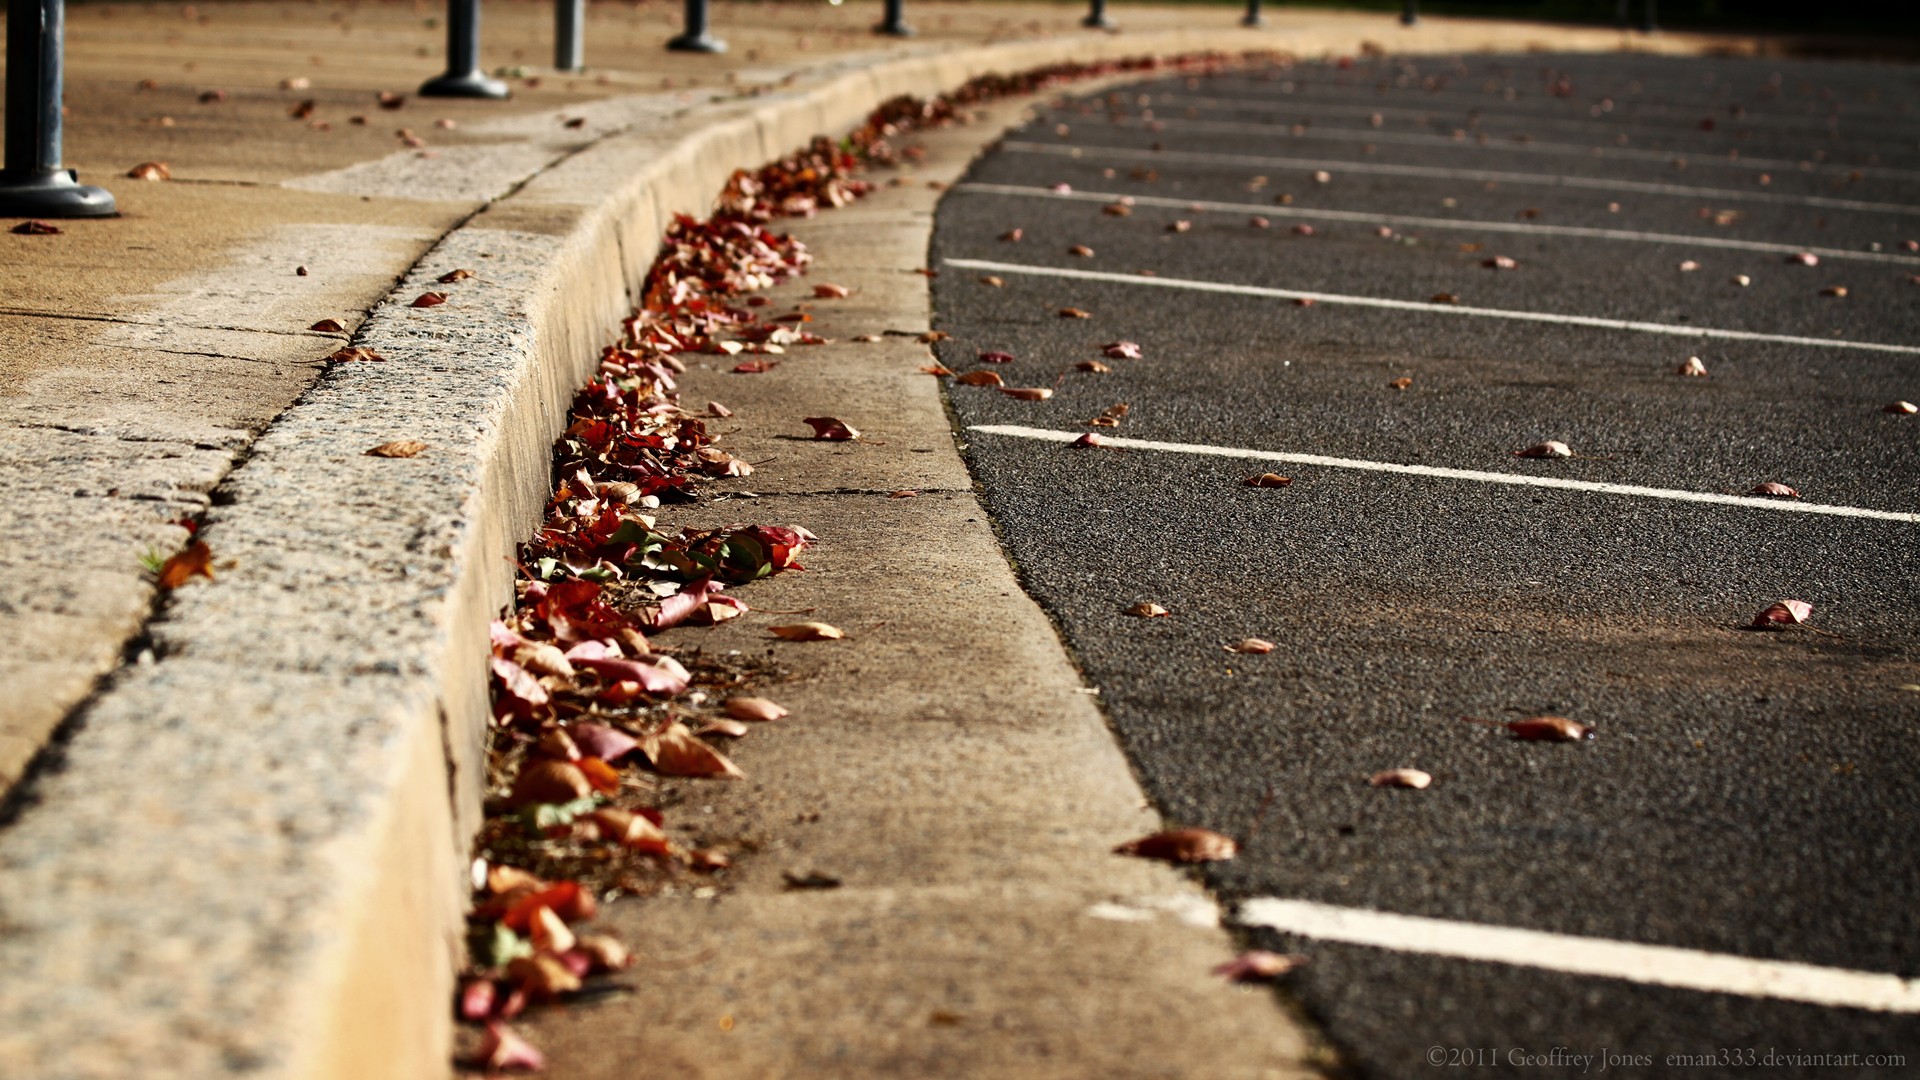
(1380, 279)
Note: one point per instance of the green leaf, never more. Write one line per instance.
(502, 947)
(543, 816)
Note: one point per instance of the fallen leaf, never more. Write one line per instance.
(33, 227)
(1804, 258)
(1183, 225)
(1688, 266)
(991, 281)
(708, 859)
(1093, 366)
(995, 358)
(452, 276)
(1693, 368)
(1401, 778)
(1741, 280)
(328, 326)
(399, 448)
(1322, 176)
(980, 378)
(903, 493)
(1552, 448)
(1303, 230)
(1013, 235)
(429, 299)
(675, 752)
(1303, 301)
(1904, 408)
(1259, 222)
(1499, 262)
(601, 741)
(194, 561)
(938, 371)
(1147, 609)
(352, 353)
(1089, 439)
(150, 170)
(755, 367)
(1550, 729)
(544, 780)
(605, 951)
(1838, 291)
(829, 291)
(501, 1050)
(1075, 313)
(732, 729)
(1121, 350)
(390, 100)
(829, 429)
(1444, 298)
(807, 631)
(549, 931)
(604, 777)
(1182, 845)
(1775, 489)
(543, 976)
(477, 999)
(1081, 250)
(1782, 613)
(1258, 965)
(1269, 480)
(1253, 646)
(714, 408)
(1402, 382)
(1116, 210)
(932, 336)
(1027, 393)
(629, 830)
(754, 709)
(209, 97)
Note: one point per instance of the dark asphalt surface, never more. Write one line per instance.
(1749, 793)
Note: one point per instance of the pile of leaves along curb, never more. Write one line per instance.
(589, 710)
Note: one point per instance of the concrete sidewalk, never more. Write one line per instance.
(241, 848)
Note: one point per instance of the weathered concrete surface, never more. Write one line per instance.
(245, 855)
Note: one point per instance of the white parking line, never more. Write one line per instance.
(1487, 141)
(1750, 502)
(1125, 153)
(1669, 329)
(1658, 965)
(1462, 225)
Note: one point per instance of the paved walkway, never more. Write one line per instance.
(238, 853)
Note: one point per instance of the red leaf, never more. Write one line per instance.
(1550, 729)
(1258, 965)
(36, 228)
(429, 299)
(1182, 845)
(831, 429)
(503, 1051)
(1783, 613)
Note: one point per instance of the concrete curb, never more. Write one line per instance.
(279, 894)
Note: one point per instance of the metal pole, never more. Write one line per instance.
(463, 77)
(1097, 18)
(32, 183)
(1252, 17)
(894, 24)
(569, 53)
(696, 38)
(1410, 13)
(1647, 22)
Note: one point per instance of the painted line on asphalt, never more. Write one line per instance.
(1462, 225)
(1017, 431)
(1657, 965)
(1635, 326)
(1439, 172)
(1481, 140)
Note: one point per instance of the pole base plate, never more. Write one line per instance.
(54, 193)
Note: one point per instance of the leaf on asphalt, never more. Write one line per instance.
(932, 336)
(150, 170)
(1804, 258)
(1903, 408)
(195, 560)
(557, 744)
(1783, 613)
(1116, 209)
(1694, 368)
(544, 780)
(1013, 235)
(938, 371)
(1081, 251)
(1688, 266)
(1258, 965)
(1322, 176)
(829, 291)
(1112, 417)
(676, 752)
(1075, 313)
(830, 429)
(1774, 488)
(1094, 367)
(1401, 778)
(1402, 382)
(33, 227)
(1147, 609)
(1121, 350)
(628, 829)
(1027, 393)
(452, 276)
(1499, 262)
(1303, 230)
(720, 725)
(602, 741)
(807, 631)
(1183, 225)
(1444, 298)
(660, 676)
(501, 1050)
(1259, 222)
(1550, 729)
(1253, 646)
(755, 367)
(1182, 846)
(429, 299)
(1269, 480)
(1089, 439)
(1741, 280)
(754, 709)
(399, 448)
(995, 358)
(1838, 291)
(992, 281)
(981, 378)
(1552, 448)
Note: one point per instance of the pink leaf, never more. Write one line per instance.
(1782, 613)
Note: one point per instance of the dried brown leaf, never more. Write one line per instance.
(1258, 965)
(807, 631)
(754, 709)
(150, 170)
(1027, 393)
(981, 378)
(1182, 846)
(830, 429)
(399, 448)
(676, 752)
(196, 560)
(1783, 613)
(1550, 729)
(1269, 480)
(1147, 609)
(1253, 645)
(1401, 778)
